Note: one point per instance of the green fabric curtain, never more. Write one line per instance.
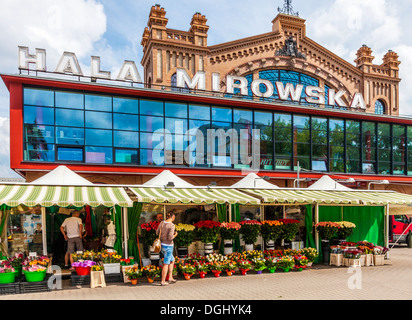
(118, 225)
(236, 218)
(221, 216)
(133, 216)
(3, 229)
(310, 241)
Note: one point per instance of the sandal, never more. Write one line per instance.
(164, 284)
(172, 281)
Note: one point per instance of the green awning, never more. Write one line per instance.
(192, 195)
(63, 196)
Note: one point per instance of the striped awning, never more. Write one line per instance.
(63, 196)
(284, 196)
(192, 195)
(301, 196)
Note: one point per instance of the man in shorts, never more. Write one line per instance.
(72, 230)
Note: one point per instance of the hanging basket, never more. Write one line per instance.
(7, 277)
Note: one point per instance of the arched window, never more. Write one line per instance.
(379, 107)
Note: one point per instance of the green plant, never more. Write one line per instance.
(229, 230)
(271, 230)
(250, 230)
(185, 235)
(345, 229)
(133, 273)
(327, 229)
(290, 228)
(259, 264)
(207, 231)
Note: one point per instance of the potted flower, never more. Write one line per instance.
(16, 263)
(207, 231)
(83, 268)
(259, 264)
(188, 270)
(311, 253)
(300, 262)
(149, 236)
(326, 230)
(286, 263)
(7, 273)
(290, 228)
(271, 230)
(270, 263)
(379, 255)
(244, 265)
(110, 260)
(185, 236)
(229, 231)
(366, 249)
(250, 230)
(336, 256)
(151, 272)
(345, 230)
(352, 257)
(202, 267)
(133, 274)
(229, 267)
(216, 268)
(97, 276)
(35, 268)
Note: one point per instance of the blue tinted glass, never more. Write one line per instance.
(98, 103)
(336, 125)
(263, 118)
(100, 120)
(96, 137)
(69, 100)
(282, 120)
(125, 122)
(70, 118)
(301, 122)
(179, 142)
(221, 125)
(126, 156)
(38, 97)
(39, 152)
(178, 126)
(70, 154)
(126, 139)
(146, 140)
(150, 158)
(99, 155)
(151, 124)
(151, 107)
(38, 115)
(199, 112)
(35, 134)
(195, 125)
(72, 136)
(124, 105)
(177, 110)
(221, 114)
(242, 116)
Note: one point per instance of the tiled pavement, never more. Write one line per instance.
(393, 281)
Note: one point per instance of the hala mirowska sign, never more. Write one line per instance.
(68, 64)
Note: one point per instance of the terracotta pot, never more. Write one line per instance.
(202, 274)
(151, 280)
(217, 273)
(244, 271)
(188, 276)
(133, 281)
(229, 273)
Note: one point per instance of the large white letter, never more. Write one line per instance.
(95, 69)
(129, 72)
(231, 85)
(25, 58)
(336, 98)
(256, 88)
(182, 79)
(69, 64)
(216, 81)
(357, 101)
(315, 95)
(289, 91)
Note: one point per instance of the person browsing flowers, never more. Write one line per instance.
(167, 233)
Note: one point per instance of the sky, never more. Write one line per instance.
(113, 30)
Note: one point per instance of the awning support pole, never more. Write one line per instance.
(125, 233)
(43, 230)
(316, 221)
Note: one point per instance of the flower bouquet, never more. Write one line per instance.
(379, 255)
(151, 272)
(229, 230)
(188, 270)
(327, 229)
(250, 230)
(133, 274)
(271, 230)
(7, 272)
(352, 257)
(207, 231)
(286, 263)
(202, 267)
(300, 262)
(216, 268)
(345, 229)
(258, 264)
(86, 255)
(185, 235)
(149, 231)
(127, 262)
(244, 265)
(271, 263)
(97, 267)
(290, 228)
(311, 253)
(229, 266)
(215, 257)
(16, 262)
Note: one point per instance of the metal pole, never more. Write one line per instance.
(316, 221)
(43, 230)
(125, 233)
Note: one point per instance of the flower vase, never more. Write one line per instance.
(270, 245)
(208, 248)
(248, 247)
(325, 251)
(378, 259)
(228, 247)
(18, 271)
(202, 274)
(299, 269)
(182, 252)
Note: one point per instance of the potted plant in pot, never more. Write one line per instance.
(7, 273)
(285, 263)
(366, 249)
(207, 231)
(258, 264)
(345, 230)
(202, 267)
(185, 236)
(97, 276)
(35, 268)
(229, 267)
(244, 265)
(290, 228)
(352, 257)
(327, 231)
(216, 268)
(133, 274)
(271, 231)
(379, 253)
(229, 231)
(300, 262)
(151, 272)
(312, 254)
(110, 260)
(16, 263)
(270, 263)
(188, 270)
(250, 231)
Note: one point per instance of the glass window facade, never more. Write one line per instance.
(66, 127)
